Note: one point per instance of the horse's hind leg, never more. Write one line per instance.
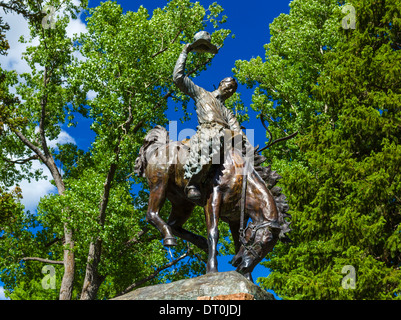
(180, 213)
(156, 200)
(234, 228)
(212, 212)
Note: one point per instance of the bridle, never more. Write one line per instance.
(249, 245)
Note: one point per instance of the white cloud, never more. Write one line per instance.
(63, 138)
(2, 295)
(18, 28)
(76, 27)
(91, 95)
(34, 190)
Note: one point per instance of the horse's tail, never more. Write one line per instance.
(156, 138)
(271, 178)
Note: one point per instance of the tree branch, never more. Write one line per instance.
(13, 6)
(43, 103)
(49, 244)
(22, 161)
(113, 167)
(42, 260)
(135, 239)
(29, 144)
(155, 273)
(165, 48)
(93, 279)
(278, 140)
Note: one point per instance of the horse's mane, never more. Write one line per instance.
(159, 136)
(153, 140)
(271, 178)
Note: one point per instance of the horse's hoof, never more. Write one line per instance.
(169, 242)
(214, 270)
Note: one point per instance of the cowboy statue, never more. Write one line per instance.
(222, 172)
(217, 124)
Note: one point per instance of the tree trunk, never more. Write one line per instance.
(67, 283)
(92, 280)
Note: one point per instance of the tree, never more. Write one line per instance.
(94, 226)
(9, 207)
(43, 102)
(343, 183)
(294, 59)
(8, 172)
(16, 232)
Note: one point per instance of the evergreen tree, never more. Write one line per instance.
(343, 180)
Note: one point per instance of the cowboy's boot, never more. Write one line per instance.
(193, 192)
(193, 187)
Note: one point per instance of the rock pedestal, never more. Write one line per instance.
(213, 286)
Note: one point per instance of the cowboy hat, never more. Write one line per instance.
(202, 43)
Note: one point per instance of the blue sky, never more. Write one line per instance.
(248, 20)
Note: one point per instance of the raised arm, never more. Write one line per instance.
(181, 80)
(232, 120)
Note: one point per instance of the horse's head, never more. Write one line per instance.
(260, 235)
(259, 238)
(256, 241)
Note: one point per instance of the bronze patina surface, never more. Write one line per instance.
(225, 172)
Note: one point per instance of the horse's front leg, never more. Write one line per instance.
(157, 197)
(181, 211)
(212, 212)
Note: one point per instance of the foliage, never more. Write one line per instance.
(121, 85)
(9, 206)
(293, 61)
(343, 179)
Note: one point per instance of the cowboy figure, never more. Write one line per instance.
(216, 122)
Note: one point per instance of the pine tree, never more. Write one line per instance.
(343, 179)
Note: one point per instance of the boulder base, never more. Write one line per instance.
(213, 286)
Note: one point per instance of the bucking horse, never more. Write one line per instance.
(235, 192)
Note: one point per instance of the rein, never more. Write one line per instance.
(254, 228)
(243, 197)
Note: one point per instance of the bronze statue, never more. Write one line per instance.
(216, 122)
(233, 189)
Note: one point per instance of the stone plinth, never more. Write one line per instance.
(213, 286)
